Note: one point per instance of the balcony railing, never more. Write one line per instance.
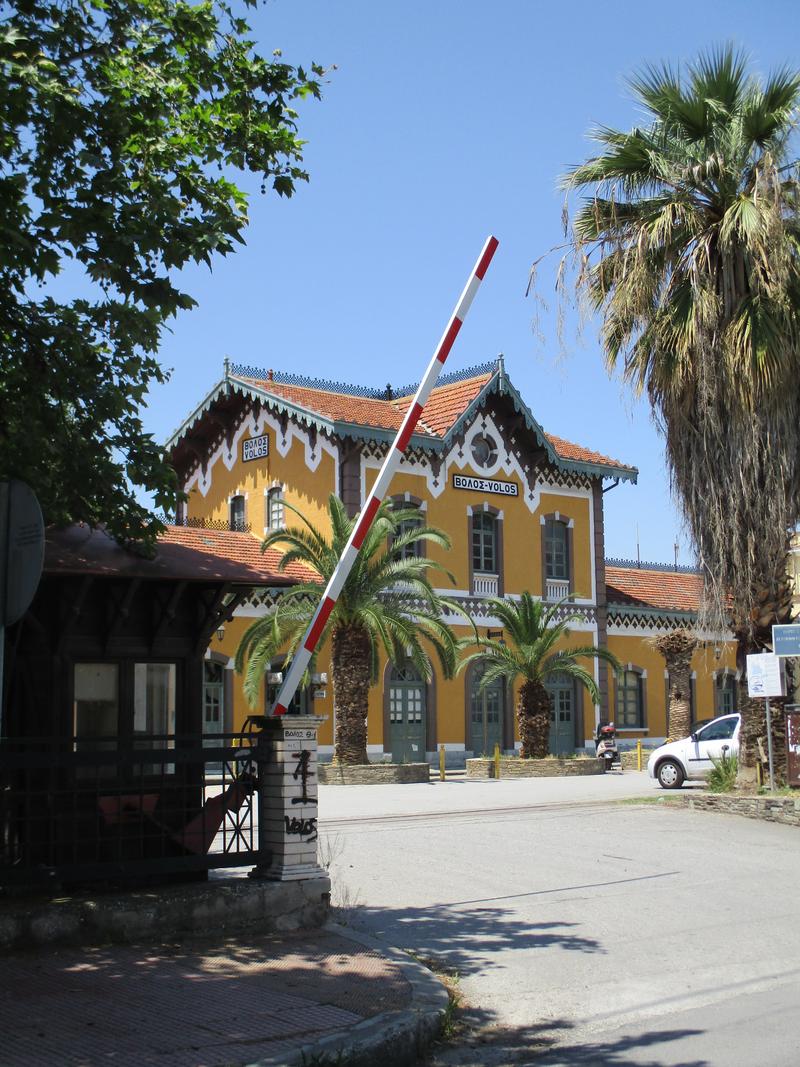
(100, 809)
(556, 588)
(485, 584)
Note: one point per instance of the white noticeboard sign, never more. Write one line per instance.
(765, 675)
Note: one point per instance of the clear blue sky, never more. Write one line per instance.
(445, 121)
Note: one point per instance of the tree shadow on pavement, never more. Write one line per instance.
(482, 1044)
(205, 1001)
(461, 937)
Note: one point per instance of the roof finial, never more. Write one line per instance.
(501, 370)
(226, 365)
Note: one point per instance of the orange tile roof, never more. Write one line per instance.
(644, 588)
(567, 450)
(446, 404)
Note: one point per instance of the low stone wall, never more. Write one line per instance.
(785, 810)
(373, 773)
(629, 760)
(214, 908)
(534, 768)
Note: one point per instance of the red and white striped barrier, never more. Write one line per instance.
(381, 486)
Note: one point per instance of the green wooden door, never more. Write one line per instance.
(562, 716)
(486, 715)
(407, 716)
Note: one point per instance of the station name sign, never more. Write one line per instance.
(255, 448)
(485, 485)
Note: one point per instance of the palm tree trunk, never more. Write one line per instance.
(677, 648)
(350, 668)
(533, 717)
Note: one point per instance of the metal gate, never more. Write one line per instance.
(407, 716)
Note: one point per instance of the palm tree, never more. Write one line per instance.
(535, 628)
(677, 648)
(387, 602)
(688, 245)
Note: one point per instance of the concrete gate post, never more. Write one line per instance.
(287, 802)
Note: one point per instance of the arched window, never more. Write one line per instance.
(237, 513)
(417, 549)
(556, 549)
(557, 568)
(484, 543)
(630, 709)
(275, 515)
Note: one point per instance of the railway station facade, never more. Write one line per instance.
(523, 510)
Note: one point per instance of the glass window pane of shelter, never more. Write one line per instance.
(484, 543)
(629, 699)
(556, 557)
(154, 710)
(96, 706)
(95, 713)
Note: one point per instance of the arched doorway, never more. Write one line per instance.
(486, 713)
(563, 713)
(407, 715)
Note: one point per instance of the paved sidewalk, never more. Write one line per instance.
(309, 998)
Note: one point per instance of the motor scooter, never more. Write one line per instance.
(605, 740)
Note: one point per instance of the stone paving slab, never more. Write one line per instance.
(195, 1004)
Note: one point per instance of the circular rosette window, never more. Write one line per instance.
(484, 451)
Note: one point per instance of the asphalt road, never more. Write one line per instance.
(582, 931)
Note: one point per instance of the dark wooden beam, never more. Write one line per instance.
(167, 615)
(120, 615)
(72, 613)
(220, 613)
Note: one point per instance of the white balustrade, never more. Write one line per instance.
(484, 585)
(556, 588)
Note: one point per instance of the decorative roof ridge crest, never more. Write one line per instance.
(662, 568)
(241, 370)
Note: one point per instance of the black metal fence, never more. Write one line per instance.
(115, 810)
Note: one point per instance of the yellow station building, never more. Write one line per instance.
(523, 509)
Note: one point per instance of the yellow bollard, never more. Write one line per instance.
(639, 754)
(441, 763)
(496, 762)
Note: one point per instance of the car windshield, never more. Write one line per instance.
(719, 730)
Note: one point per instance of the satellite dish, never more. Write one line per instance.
(21, 549)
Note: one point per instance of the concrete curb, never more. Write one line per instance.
(222, 905)
(393, 1038)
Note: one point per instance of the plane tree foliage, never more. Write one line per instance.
(126, 125)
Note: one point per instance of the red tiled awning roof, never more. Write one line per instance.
(660, 589)
(183, 552)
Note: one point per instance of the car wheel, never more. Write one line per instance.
(670, 774)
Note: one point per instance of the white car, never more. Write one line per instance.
(691, 757)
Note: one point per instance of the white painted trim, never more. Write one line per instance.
(458, 458)
(283, 443)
